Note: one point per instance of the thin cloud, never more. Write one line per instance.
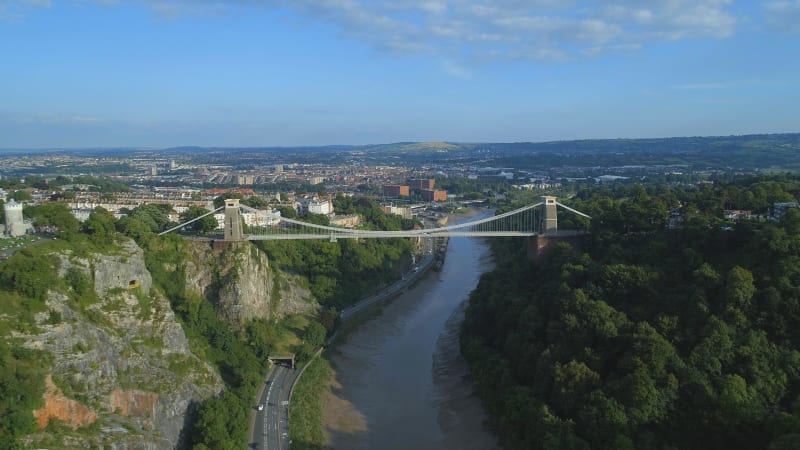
(783, 16)
(456, 70)
(17, 9)
(507, 29)
(736, 84)
(474, 31)
(702, 86)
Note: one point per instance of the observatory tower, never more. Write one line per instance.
(15, 224)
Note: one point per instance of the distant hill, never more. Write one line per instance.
(744, 152)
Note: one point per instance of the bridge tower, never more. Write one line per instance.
(550, 216)
(233, 220)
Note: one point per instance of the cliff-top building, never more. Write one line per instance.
(15, 225)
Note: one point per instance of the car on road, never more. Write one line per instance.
(261, 407)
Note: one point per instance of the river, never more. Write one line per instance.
(400, 381)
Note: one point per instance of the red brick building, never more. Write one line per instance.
(426, 183)
(430, 195)
(394, 190)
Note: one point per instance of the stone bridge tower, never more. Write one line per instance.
(233, 220)
(550, 216)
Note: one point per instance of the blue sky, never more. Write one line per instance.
(150, 73)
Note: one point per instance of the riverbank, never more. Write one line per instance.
(306, 421)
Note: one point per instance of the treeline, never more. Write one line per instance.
(647, 337)
(94, 184)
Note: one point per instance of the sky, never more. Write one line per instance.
(155, 73)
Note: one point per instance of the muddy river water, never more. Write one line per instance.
(400, 382)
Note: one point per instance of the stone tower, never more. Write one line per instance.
(550, 218)
(233, 220)
(15, 225)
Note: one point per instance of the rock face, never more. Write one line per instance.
(122, 272)
(120, 359)
(243, 285)
(73, 413)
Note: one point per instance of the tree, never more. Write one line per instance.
(288, 212)
(219, 201)
(315, 334)
(739, 288)
(204, 225)
(20, 196)
(100, 226)
(255, 202)
(56, 215)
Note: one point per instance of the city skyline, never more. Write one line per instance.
(271, 73)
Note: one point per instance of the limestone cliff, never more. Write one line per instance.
(121, 362)
(242, 283)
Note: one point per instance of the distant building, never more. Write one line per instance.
(220, 218)
(609, 178)
(246, 192)
(736, 214)
(316, 180)
(506, 175)
(675, 219)
(83, 213)
(395, 190)
(261, 218)
(425, 183)
(779, 209)
(244, 179)
(345, 220)
(430, 195)
(315, 205)
(404, 212)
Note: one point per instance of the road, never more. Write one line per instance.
(391, 290)
(271, 430)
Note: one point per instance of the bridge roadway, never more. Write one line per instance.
(394, 234)
(271, 428)
(387, 234)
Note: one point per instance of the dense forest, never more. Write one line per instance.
(656, 333)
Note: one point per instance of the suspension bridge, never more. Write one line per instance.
(532, 220)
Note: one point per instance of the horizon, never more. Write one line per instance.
(276, 147)
(158, 74)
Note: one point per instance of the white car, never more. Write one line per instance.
(261, 407)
